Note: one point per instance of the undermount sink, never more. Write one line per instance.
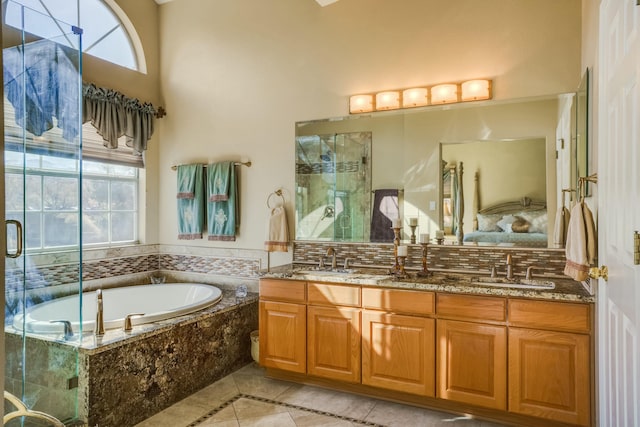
(513, 283)
(325, 271)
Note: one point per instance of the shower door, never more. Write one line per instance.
(42, 159)
(333, 187)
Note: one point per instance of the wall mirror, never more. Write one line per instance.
(403, 150)
(583, 111)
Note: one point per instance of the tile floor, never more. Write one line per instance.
(247, 398)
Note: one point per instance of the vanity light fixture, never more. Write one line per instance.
(415, 97)
(361, 104)
(389, 100)
(474, 90)
(446, 93)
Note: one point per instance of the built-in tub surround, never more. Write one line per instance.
(125, 377)
(471, 259)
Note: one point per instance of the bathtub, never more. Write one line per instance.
(157, 302)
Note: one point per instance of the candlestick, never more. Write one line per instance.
(396, 241)
(402, 274)
(413, 233)
(425, 271)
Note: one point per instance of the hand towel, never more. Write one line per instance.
(277, 230)
(218, 180)
(222, 215)
(385, 209)
(187, 181)
(561, 227)
(191, 210)
(581, 249)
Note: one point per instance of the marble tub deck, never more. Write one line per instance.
(246, 398)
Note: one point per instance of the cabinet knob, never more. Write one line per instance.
(597, 273)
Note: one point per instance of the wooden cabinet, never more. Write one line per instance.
(550, 370)
(283, 325)
(472, 354)
(398, 350)
(333, 331)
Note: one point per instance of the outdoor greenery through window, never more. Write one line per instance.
(109, 201)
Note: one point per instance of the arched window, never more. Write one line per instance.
(107, 32)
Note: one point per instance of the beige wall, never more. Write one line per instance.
(237, 75)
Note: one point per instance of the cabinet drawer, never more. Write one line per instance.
(398, 300)
(325, 294)
(550, 315)
(472, 307)
(283, 290)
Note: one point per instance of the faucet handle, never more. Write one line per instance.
(127, 321)
(494, 272)
(347, 262)
(529, 274)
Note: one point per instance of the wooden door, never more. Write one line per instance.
(618, 192)
(283, 333)
(333, 343)
(472, 363)
(398, 352)
(549, 375)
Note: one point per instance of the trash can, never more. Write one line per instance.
(255, 346)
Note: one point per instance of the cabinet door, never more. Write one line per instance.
(398, 352)
(283, 333)
(472, 363)
(333, 343)
(549, 375)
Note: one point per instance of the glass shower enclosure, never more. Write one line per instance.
(333, 187)
(42, 138)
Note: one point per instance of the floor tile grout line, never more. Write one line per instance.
(284, 404)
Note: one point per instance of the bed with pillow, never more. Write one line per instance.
(517, 223)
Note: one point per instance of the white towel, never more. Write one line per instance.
(581, 246)
(561, 227)
(277, 231)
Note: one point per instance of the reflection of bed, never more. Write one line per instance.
(517, 223)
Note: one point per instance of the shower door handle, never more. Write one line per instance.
(18, 239)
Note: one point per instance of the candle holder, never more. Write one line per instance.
(396, 241)
(440, 240)
(425, 271)
(413, 233)
(401, 274)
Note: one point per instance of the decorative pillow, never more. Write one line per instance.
(505, 223)
(520, 225)
(536, 219)
(488, 222)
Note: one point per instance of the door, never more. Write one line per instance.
(283, 333)
(618, 191)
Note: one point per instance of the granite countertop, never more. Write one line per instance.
(439, 281)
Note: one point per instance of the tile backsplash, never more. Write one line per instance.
(546, 262)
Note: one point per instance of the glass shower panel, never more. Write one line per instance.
(42, 123)
(333, 187)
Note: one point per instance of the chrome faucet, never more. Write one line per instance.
(68, 330)
(99, 328)
(509, 267)
(347, 263)
(529, 274)
(332, 253)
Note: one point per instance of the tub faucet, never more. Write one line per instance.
(68, 330)
(332, 253)
(99, 328)
(509, 267)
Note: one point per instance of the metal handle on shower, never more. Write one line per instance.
(18, 239)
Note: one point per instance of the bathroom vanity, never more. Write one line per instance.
(514, 355)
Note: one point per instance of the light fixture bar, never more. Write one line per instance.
(445, 93)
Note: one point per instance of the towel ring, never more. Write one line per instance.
(278, 192)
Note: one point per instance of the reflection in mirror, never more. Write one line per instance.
(333, 187)
(405, 156)
(582, 111)
(504, 197)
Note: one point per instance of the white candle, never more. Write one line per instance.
(402, 250)
(424, 238)
(439, 234)
(413, 221)
(396, 223)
